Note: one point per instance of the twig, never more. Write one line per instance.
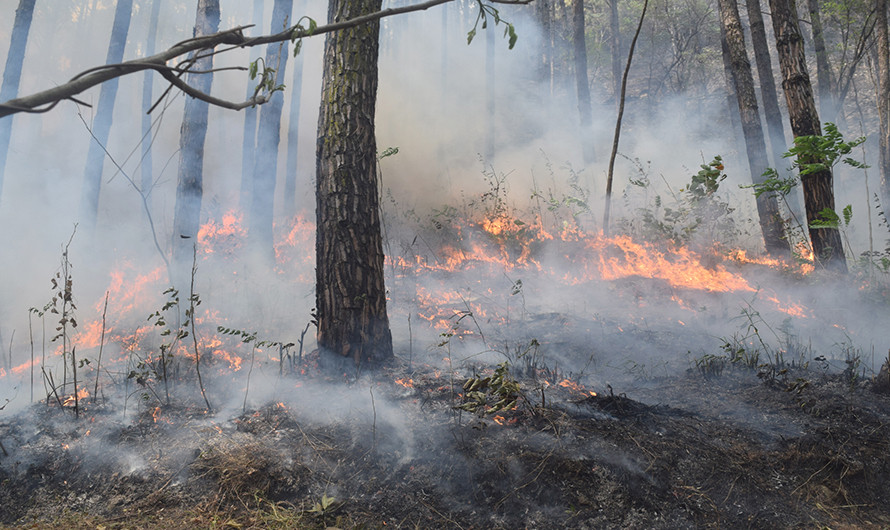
(192, 299)
(101, 345)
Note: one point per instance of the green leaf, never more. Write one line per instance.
(848, 214)
(471, 35)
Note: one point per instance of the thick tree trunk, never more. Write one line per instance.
(615, 44)
(190, 177)
(146, 166)
(818, 188)
(883, 42)
(92, 175)
(823, 68)
(248, 141)
(584, 106)
(12, 73)
(350, 293)
(767, 207)
(768, 95)
(293, 135)
(265, 167)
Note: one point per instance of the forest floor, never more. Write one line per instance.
(718, 446)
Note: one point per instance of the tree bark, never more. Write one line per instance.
(823, 67)
(350, 292)
(767, 207)
(265, 167)
(12, 73)
(293, 135)
(190, 177)
(92, 176)
(818, 188)
(732, 107)
(146, 165)
(883, 43)
(768, 94)
(584, 106)
(248, 140)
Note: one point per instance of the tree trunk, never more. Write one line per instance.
(190, 177)
(92, 176)
(12, 74)
(265, 166)
(350, 294)
(732, 106)
(823, 68)
(768, 94)
(146, 166)
(767, 207)
(818, 188)
(293, 135)
(584, 106)
(248, 141)
(615, 41)
(883, 100)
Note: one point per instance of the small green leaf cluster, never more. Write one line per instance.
(301, 31)
(492, 394)
(248, 337)
(487, 11)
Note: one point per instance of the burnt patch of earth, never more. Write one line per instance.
(683, 452)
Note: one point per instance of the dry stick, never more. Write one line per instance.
(74, 378)
(249, 372)
(192, 321)
(101, 345)
(630, 56)
(374, 409)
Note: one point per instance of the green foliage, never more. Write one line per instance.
(820, 152)
(301, 31)
(705, 183)
(486, 12)
(248, 337)
(267, 78)
(492, 394)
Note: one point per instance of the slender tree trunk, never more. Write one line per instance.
(248, 142)
(584, 106)
(883, 43)
(147, 102)
(543, 11)
(615, 44)
(768, 93)
(12, 73)
(265, 166)
(732, 107)
(818, 188)
(190, 177)
(767, 207)
(293, 135)
(823, 68)
(350, 293)
(92, 176)
(490, 96)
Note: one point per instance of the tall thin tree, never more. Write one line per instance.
(293, 135)
(752, 130)
(265, 164)
(190, 177)
(248, 141)
(92, 175)
(350, 292)
(12, 73)
(768, 94)
(883, 93)
(585, 111)
(146, 165)
(818, 186)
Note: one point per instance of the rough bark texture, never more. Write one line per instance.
(823, 68)
(768, 94)
(248, 140)
(92, 175)
(584, 107)
(265, 166)
(883, 42)
(732, 107)
(145, 167)
(350, 293)
(12, 73)
(293, 134)
(818, 190)
(767, 207)
(190, 177)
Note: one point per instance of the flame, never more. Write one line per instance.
(500, 420)
(226, 236)
(407, 383)
(576, 387)
(156, 414)
(81, 395)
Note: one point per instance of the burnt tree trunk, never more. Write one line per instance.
(883, 43)
(248, 141)
(293, 136)
(12, 73)
(265, 165)
(584, 106)
(190, 177)
(146, 166)
(752, 130)
(823, 68)
(350, 293)
(768, 94)
(92, 175)
(818, 187)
